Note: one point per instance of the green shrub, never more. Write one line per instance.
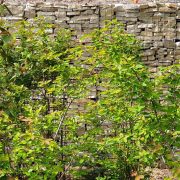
(131, 124)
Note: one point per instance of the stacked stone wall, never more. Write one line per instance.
(156, 25)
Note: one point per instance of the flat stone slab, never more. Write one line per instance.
(93, 1)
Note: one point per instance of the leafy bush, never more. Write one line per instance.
(133, 123)
(129, 125)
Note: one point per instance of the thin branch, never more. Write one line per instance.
(62, 119)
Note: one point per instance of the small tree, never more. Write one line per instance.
(134, 121)
(129, 125)
(40, 79)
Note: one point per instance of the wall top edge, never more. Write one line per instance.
(56, 4)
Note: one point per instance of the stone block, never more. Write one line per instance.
(153, 9)
(147, 33)
(87, 12)
(30, 13)
(151, 58)
(131, 7)
(107, 12)
(152, 70)
(133, 29)
(12, 18)
(158, 44)
(157, 38)
(146, 25)
(82, 19)
(16, 10)
(60, 14)
(148, 52)
(46, 8)
(73, 13)
(42, 13)
(166, 9)
(169, 44)
(147, 44)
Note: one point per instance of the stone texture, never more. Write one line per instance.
(157, 25)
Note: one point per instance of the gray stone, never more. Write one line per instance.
(107, 12)
(147, 33)
(42, 13)
(169, 44)
(73, 13)
(143, 25)
(166, 9)
(87, 12)
(30, 13)
(60, 14)
(148, 53)
(16, 10)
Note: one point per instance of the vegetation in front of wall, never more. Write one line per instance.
(130, 125)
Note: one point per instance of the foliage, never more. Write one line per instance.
(134, 122)
(130, 124)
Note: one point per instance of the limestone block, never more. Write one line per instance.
(60, 25)
(165, 63)
(87, 12)
(158, 44)
(178, 35)
(151, 63)
(131, 7)
(144, 25)
(133, 29)
(106, 18)
(12, 18)
(119, 8)
(16, 10)
(151, 58)
(153, 9)
(147, 33)
(107, 12)
(144, 38)
(144, 58)
(177, 45)
(73, 13)
(94, 20)
(97, 11)
(162, 51)
(177, 52)
(146, 17)
(158, 34)
(75, 7)
(166, 9)
(42, 13)
(31, 13)
(127, 19)
(148, 52)
(82, 19)
(46, 7)
(157, 29)
(143, 6)
(60, 14)
(147, 44)
(169, 44)
(152, 70)
(157, 38)
(178, 29)
(170, 36)
(129, 14)
(168, 30)
(76, 26)
(87, 25)
(158, 14)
